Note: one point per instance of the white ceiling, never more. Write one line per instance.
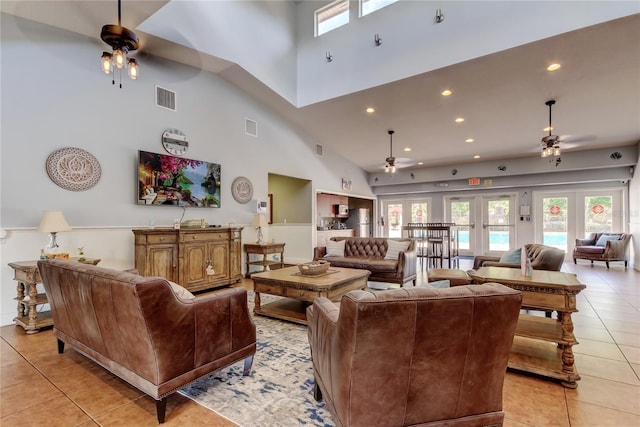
(502, 96)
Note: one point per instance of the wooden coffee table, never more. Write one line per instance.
(300, 291)
(541, 346)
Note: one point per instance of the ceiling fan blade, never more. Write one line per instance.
(576, 139)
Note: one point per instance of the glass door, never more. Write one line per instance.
(392, 219)
(555, 224)
(398, 213)
(460, 211)
(498, 224)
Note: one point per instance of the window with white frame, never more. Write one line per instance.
(369, 6)
(331, 16)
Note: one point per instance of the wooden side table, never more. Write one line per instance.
(28, 277)
(263, 249)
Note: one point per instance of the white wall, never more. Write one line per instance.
(53, 96)
(634, 215)
(419, 45)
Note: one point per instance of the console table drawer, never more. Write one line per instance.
(201, 237)
(161, 238)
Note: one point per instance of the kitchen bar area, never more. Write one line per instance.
(339, 215)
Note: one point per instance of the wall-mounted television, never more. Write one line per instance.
(175, 181)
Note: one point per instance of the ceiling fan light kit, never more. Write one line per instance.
(551, 143)
(390, 165)
(122, 41)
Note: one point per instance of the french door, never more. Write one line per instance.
(397, 213)
(461, 212)
(498, 224)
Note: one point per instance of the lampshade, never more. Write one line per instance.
(259, 220)
(52, 222)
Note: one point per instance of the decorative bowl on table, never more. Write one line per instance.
(314, 268)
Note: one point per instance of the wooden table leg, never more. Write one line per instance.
(256, 302)
(568, 360)
(20, 291)
(33, 312)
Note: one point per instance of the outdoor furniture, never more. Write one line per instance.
(607, 247)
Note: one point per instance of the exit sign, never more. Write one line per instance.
(474, 181)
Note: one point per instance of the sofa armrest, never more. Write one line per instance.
(407, 263)
(616, 248)
(585, 242)
(319, 252)
(479, 260)
(501, 264)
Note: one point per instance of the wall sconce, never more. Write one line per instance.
(377, 39)
(439, 16)
(328, 56)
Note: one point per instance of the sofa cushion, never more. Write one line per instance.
(512, 256)
(590, 249)
(335, 249)
(371, 264)
(394, 248)
(602, 241)
(180, 291)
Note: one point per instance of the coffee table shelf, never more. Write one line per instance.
(541, 328)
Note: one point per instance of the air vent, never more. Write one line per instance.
(165, 98)
(251, 127)
(319, 149)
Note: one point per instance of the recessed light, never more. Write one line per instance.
(407, 149)
(469, 140)
(420, 163)
(553, 67)
(459, 120)
(446, 92)
(370, 110)
(476, 156)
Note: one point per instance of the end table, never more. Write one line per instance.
(264, 249)
(28, 277)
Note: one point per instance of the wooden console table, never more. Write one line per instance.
(28, 277)
(541, 346)
(264, 249)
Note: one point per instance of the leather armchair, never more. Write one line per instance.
(414, 356)
(612, 250)
(542, 258)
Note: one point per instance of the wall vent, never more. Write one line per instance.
(319, 149)
(165, 98)
(250, 127)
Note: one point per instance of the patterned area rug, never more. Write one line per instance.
(279, 391)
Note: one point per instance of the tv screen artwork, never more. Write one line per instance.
(169, 180)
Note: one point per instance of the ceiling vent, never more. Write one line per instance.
(251, 127)
(319, 149)
(165, 98)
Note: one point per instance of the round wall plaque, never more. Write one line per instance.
(73, 169)
(242, 189)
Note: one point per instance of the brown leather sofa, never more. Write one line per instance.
(139, 329)
(608, 251)
(368, 253)
(414, 356)
(542, 258)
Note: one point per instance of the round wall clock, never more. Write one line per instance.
(242, 189)
(73, 169)
(175, 142)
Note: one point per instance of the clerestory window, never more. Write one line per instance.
(331, 16)
(368, 6)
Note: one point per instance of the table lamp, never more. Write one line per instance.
(52, 222)
(259, 221)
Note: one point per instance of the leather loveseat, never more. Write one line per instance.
(542, 257)
(371, 253)
(139, 329)
(414, 356)
(605, 247)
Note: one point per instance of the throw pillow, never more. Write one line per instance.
(512, 257)
(335, 248)
(602, 241)
(394, 248)
(440, 284)
(180, 292)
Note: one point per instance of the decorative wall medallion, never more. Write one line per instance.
(73, 169)
(242, 189)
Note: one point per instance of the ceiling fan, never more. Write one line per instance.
(392, 163)
(551, 143)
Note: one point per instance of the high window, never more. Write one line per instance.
(331, 16)
(368, 6)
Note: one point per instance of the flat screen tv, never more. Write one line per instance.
(175, 181)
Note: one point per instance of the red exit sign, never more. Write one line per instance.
(474, 181)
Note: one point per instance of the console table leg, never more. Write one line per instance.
(20, 291)
(33, 312)
(256, 303)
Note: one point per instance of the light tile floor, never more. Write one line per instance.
(40, 387)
